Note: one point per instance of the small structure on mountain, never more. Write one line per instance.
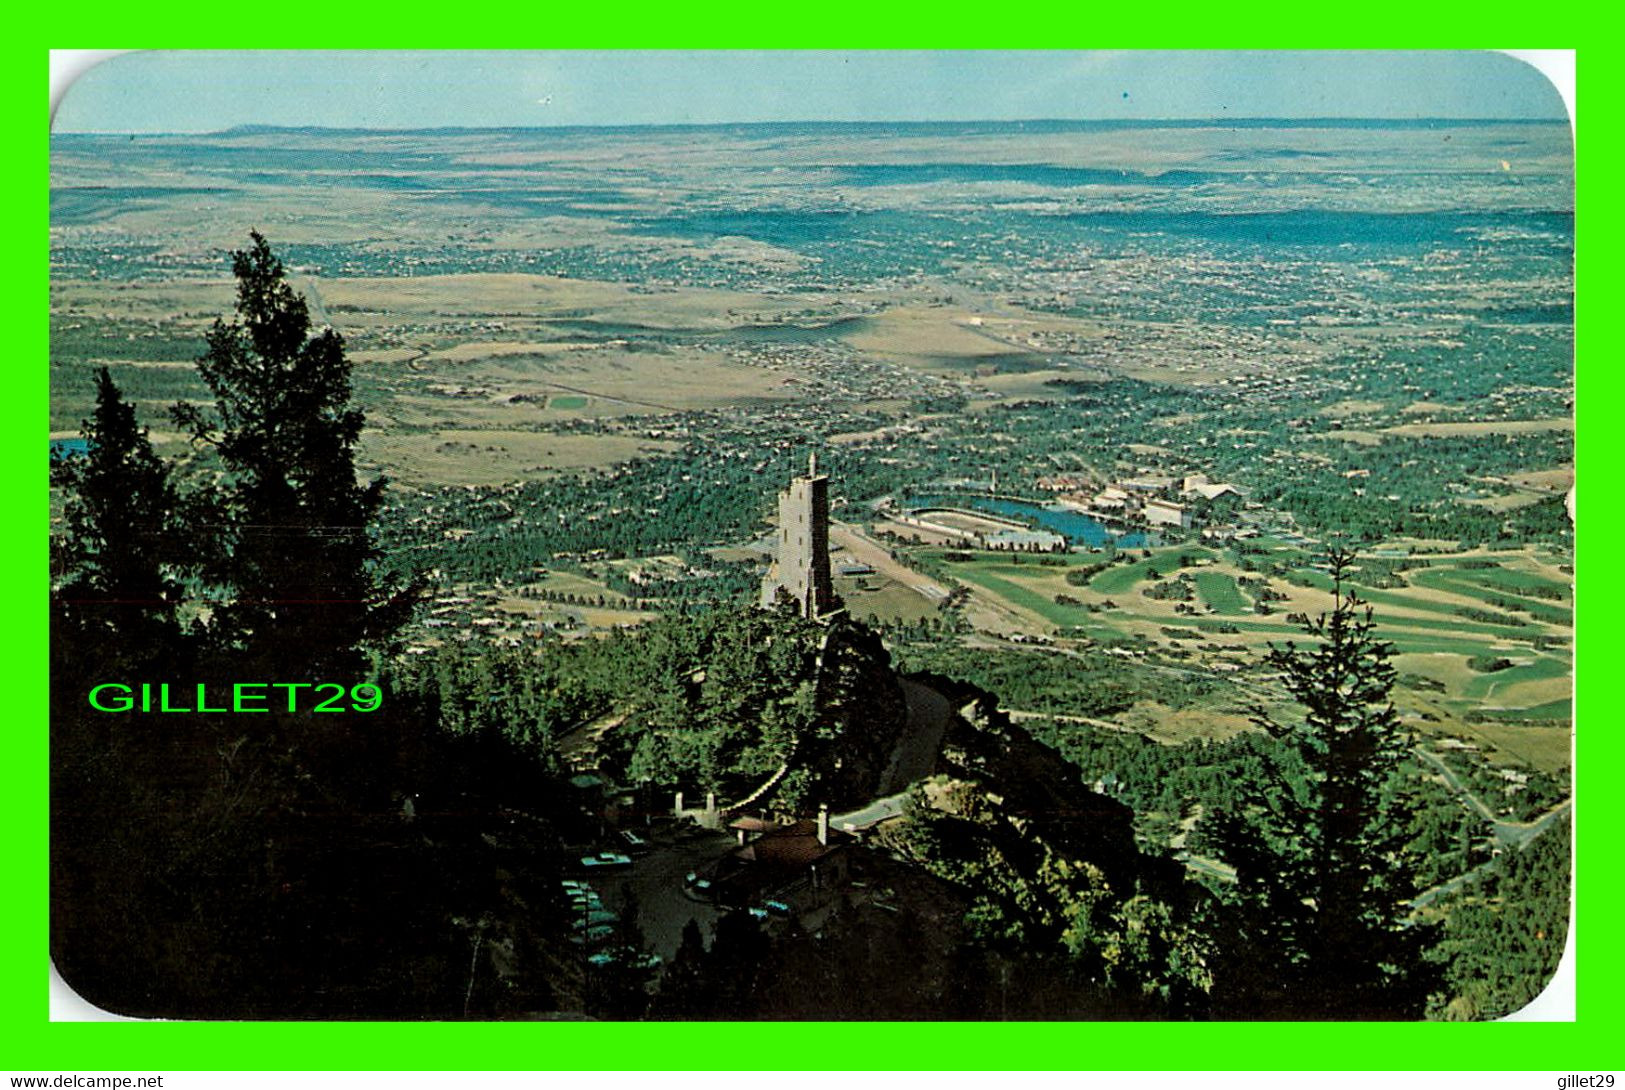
(801, 864)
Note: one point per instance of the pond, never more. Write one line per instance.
(1076, 527)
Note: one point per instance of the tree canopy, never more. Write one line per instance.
(1324, 874)
(116, 567)
(301, 569)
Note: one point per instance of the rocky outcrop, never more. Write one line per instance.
(1035, 794)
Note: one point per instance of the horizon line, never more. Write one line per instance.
(1203, 121)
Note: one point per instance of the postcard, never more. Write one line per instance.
(807, 536)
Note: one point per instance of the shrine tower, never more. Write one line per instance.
(801, 567)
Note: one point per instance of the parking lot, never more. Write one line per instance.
(655, 881)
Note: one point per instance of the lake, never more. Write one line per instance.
(1076, 527)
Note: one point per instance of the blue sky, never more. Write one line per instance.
(207, 91)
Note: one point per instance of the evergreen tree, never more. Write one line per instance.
(114, 597)
(304, 593)
(115, 566)
(1324, 871)
(684, 990)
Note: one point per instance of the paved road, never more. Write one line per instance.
(877, 811)
(1511, 833)
(915, 756)
(1455, 783)
(656, 881)
(1520, 834)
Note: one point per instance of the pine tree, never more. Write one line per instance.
(119, 558)
(304, 594)
(1321, 845)
(115, 566)
(684, 987)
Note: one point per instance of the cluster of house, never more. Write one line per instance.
(1157, 501)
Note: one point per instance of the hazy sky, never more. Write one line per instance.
(205, 91)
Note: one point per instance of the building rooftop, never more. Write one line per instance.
(786, 851)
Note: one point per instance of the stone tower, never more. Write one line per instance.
(802, 567)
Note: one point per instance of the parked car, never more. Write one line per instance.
(637, 961)
(606, 859)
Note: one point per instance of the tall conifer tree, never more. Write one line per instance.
(303, 592)
(1322, 857)
(114, 568)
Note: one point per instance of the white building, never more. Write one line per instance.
(1167, 513)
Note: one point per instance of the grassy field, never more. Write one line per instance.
(1177, 726)
(1516, 580)
(1506, 587)
(1424, 622)
(1220, 591)
(1553, 710)
(1422, 643)
(1414, 618)
(1426, 609)
(580, 617)
(602, 619)
(1486, 687)
(880, 599)
(953, 341)
(1546, 747)
(1121, 578)
(1510, 501)
(1024, 596)
(1485, 427)
(439, 358)
(488, 456)
(1560, 479)
(566, 582)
